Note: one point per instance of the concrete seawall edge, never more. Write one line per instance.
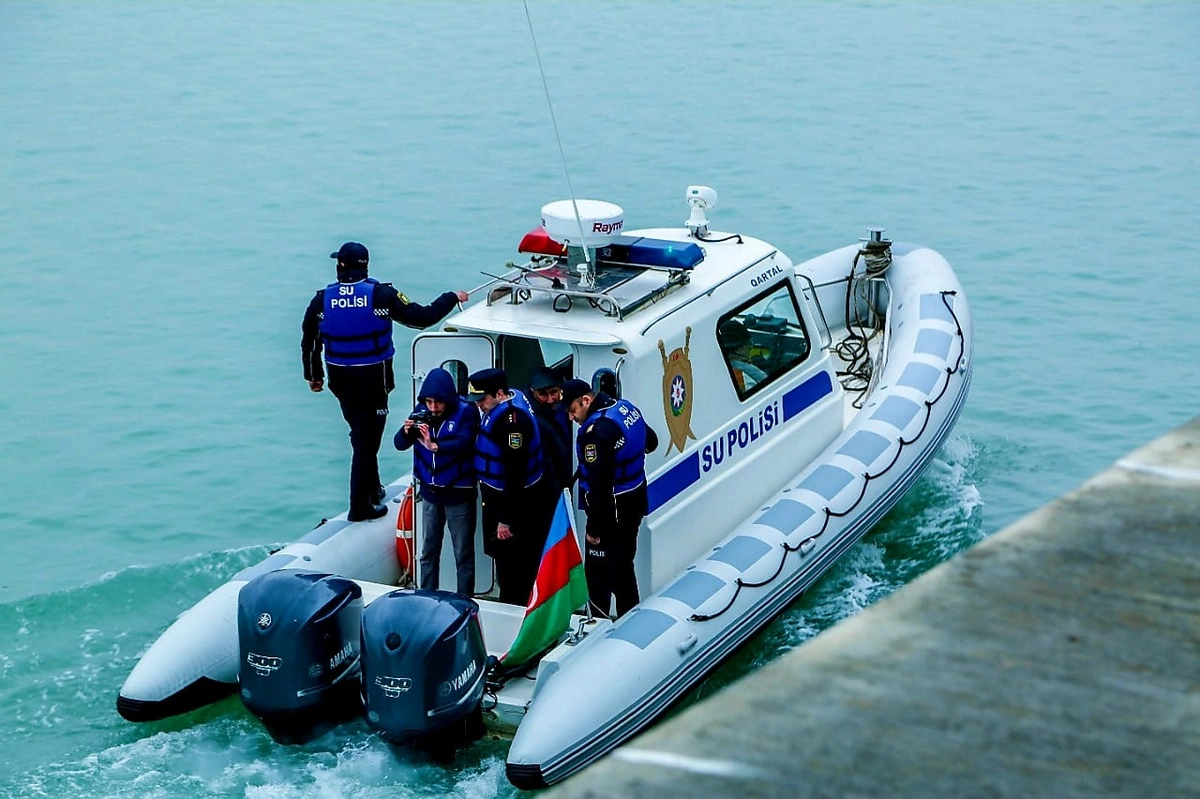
(1059, 657)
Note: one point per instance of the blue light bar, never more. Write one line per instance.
(641, 251)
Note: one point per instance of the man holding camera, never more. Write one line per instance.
(441, 430)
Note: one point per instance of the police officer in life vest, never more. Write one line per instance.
(611, 446)
(515, 483)
(351, 320)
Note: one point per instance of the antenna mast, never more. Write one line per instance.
(589, 275)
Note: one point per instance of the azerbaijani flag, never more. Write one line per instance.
(559, 590)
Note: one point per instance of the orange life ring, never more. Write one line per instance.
(404, 536)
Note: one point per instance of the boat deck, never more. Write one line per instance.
(851, 371)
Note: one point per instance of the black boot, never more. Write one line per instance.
(368, 513)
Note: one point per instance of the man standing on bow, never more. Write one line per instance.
(612, 445)
(441, 431)
(351, 320)
(518, 491)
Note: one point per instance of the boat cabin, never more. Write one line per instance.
(711, 335)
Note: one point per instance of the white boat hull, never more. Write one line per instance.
(655, 654)
(195, 661)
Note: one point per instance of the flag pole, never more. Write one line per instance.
(571, 509)
(588, 619)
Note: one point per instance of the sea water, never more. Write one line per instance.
(173, 177)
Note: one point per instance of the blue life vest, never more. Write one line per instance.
(447, 471)
(630, 467)
(489, 453)
(354, 335)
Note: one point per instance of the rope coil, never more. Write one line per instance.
(854, 349)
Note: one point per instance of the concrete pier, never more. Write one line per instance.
(1058, 658)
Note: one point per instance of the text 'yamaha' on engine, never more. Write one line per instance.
(299, 641)
(423, 669)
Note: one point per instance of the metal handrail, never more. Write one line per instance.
(515, 281)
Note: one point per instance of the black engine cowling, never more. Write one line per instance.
(423, 669)
(299, 645)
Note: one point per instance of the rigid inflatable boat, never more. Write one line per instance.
(795, 404)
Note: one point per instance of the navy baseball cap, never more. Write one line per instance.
(543, 379)
(573, 390)
(485, 381)
(352, 255)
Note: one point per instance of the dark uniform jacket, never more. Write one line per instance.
(386, 301)
(600, 439)
(512, 461)
(555, 427)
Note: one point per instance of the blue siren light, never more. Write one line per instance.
(643, 251)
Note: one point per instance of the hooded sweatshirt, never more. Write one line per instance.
(446, 476)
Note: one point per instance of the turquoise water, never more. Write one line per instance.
(172, 178)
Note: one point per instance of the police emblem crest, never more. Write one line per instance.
(589, 453)
(677, 392)
(515, 440)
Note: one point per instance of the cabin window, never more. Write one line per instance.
(521, 357)
(606, 380)
(459, 371)
(762, 339)
(559, 356)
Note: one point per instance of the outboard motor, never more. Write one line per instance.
(299, 645)
(423, 669)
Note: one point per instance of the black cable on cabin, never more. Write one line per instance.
(737, 236)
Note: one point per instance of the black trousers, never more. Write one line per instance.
(517, 559)
(362, 391)
(609, 570)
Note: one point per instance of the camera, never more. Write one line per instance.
(421, 416)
